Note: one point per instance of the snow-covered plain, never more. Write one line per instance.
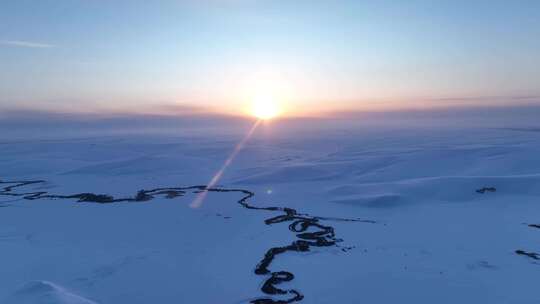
(434, 238)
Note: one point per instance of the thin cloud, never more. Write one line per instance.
(26, 44)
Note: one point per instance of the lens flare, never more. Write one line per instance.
(199, 199)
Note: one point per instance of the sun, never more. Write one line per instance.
(265, 107)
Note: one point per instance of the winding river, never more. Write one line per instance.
(310, 231)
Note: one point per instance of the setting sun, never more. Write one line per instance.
(265, 107)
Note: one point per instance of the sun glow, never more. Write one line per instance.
(265, 107)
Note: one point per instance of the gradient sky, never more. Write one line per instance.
(122, 55)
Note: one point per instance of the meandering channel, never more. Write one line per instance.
(309, 230)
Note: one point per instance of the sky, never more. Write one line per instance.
(313, 56)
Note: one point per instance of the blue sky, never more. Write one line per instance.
(73, 55)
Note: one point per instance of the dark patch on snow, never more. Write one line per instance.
(486, 189)
(481, 265)
(532, 255)
(223, 216)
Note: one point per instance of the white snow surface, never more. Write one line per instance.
(435, 240)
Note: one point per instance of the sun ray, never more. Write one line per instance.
(199, 199)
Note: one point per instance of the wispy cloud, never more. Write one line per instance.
(26, 44)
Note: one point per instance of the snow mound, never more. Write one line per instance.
(385, 200)
(44, 292)
(288, 174)
(442, 189)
